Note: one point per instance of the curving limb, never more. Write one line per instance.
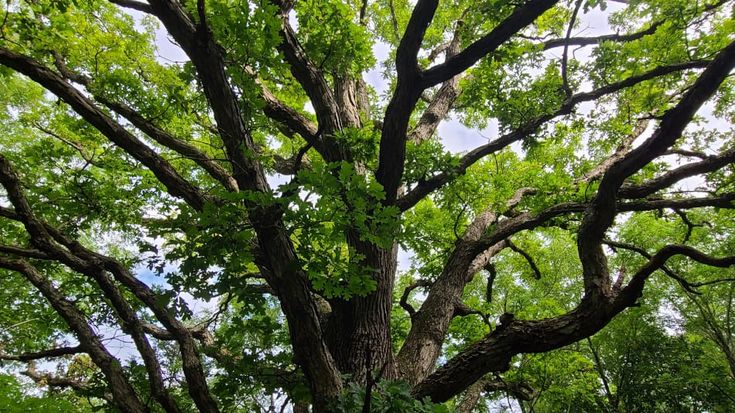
(527, 257)
(521, 17)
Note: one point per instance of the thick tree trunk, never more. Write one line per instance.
(358, 331)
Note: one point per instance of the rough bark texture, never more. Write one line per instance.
(358, 331)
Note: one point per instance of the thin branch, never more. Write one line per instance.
(686, 285)
(50, 353)
(24, 252)
(565, 53)
(586, 41)
(634, 288)
(708, 164)
(407, 291)
(166, 139)
(527, 257)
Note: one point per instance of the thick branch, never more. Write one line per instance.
(288, 116)
(429, 325)
(672, 124)
(601, 213)
(599, 305)
(494, 352)
(392, 154)
(328, 113)
(175, 184)
(289, 282)
(521, 17)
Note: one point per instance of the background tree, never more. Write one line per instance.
(265, 178)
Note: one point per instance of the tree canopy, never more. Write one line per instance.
(290, 214)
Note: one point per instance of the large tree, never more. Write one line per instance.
(265, 177)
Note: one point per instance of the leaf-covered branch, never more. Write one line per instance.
(113, 131)
(470, 158)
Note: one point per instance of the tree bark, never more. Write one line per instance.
(358, 331)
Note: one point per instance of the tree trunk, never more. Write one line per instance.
(358, 330)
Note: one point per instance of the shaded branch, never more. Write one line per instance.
(494, 352)
(633, 290)
(285, 274)
(642, 252)
(312, 80)
(78, 258)
(407, 291)
(586, 41)
(601, 213)
(708, 164)
(24, 252)
(408, 49)
(288, 116)
(173, 143)
(565, 54)
(392, 152)
(124, 396)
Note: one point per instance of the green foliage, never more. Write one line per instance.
(14, 400)
(385, 397)
(669, 355)
(344, 201)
